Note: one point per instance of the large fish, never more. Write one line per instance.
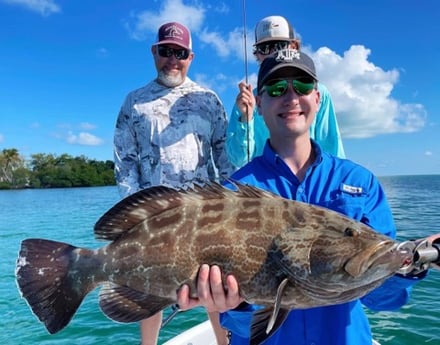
(285, 254)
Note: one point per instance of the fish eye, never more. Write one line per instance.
(349, 232)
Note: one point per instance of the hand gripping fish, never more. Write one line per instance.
(284, 254)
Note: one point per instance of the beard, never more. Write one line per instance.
(170, 80)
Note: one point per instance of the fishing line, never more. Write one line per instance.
(245, 42)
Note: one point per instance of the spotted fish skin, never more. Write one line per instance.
(160, 236)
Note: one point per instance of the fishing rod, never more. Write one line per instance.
(245, 43)
(246, 80)
(174, 311)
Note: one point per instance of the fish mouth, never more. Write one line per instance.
(385, 254)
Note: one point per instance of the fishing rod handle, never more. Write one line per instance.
(425, 255)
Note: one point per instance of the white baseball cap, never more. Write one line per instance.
(273, 28)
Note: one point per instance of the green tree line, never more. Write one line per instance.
(52, 171)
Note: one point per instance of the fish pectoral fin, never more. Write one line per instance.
(260, 322)
(123, 304)
(277, 305)
(266, 321)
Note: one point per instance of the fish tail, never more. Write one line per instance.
(45, 281)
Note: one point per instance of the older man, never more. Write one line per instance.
(169, 132)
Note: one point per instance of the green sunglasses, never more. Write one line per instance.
(302, 86)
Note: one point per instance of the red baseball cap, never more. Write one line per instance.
(174, 33)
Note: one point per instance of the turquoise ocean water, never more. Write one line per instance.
(69, 215)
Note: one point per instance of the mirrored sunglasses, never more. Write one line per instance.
(179, 54)
(271, 47)
(302, 86)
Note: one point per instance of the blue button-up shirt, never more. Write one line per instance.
(348, 188)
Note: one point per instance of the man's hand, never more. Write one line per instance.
(245, 102)
(211, 292)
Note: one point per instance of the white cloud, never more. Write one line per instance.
(219, 7)
(2, 138)
(232, 45)
(43, 7)
(87, 126)
(219, 82)
(146, 22)
(83, 138)
(361, 92)
(102, 52)
(428, 153)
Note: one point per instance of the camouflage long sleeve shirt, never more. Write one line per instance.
(170, 136)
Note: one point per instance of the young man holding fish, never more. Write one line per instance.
(295, 167)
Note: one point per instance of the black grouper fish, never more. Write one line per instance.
(285, 254)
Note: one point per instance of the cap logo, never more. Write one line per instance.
(173, 31)
(287, 55)
(269, 26)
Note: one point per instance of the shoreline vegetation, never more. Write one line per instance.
(53, 171)
(63, 171)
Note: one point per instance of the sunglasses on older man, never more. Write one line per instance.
(270, 47)
(278, 87)
(179, 54)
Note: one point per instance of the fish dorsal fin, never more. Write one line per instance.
(134, 209)
(148, 202)
(123, 304)
(261, 319)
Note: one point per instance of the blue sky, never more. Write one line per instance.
(66, 67)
